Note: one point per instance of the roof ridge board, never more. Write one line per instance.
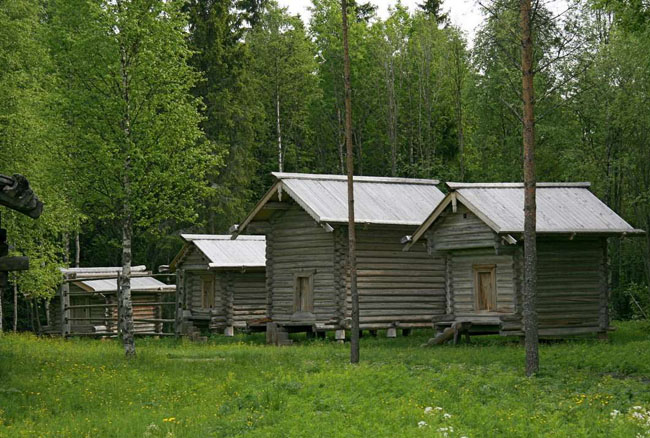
(357, 178)
(194, 237)
(101, 269)
(456, 185)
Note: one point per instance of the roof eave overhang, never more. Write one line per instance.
(215, 267)
(607, 233)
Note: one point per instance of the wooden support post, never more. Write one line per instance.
(271, 333)
(158, 314)
(180, 300)
(339, 335)
(229, 304)
(391, 332)
(108, 313)
(65, 309)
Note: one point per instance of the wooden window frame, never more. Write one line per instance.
(476, 270)
(205, 302)
(309, 274)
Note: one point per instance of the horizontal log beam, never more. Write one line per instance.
(9, 264)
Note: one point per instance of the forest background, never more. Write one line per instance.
(174, 113)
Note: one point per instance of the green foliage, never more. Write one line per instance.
(31, 143)
(204, 79)
(232, 110)
(239, 387)
(283, 64)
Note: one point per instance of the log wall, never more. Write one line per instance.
(296, 244)
(569, 284)
(249, 296)
(462, 279)
(460, 230)
(84, 320)
(397, 287)
(239, 295)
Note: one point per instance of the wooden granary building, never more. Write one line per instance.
(477, 230)
(86, 304)
(304, 218)
(221, 282)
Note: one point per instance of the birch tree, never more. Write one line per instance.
(138, 154)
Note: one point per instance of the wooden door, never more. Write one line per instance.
(304, 294)
(207, 292)
(485, 292)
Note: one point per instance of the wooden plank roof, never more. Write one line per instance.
(562, 208)
(222, 252)
(378, 200)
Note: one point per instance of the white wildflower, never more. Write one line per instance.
(428, 410)
(615, 413)
(637, 408)
(445, 415)
(438, 408)
(422, 424)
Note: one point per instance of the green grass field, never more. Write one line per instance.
(240, 387)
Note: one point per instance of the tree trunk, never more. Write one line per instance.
(352, 261)
(126, 305)
(341, 141)
(124, 289)
(66, 249)
(15, 327)
(2, 290)
(458, 81)
(530, 210)
(37, 316)
(77, 250)
(279, 131)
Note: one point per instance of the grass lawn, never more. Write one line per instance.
(240, 387)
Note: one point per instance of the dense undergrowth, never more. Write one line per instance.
(240, 387)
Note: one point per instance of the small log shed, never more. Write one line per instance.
(221, 282)
(87, 303)
(304, 218)
(478, 231)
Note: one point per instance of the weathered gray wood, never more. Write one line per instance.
(603, 313)
(180, 301)
(65, 311)
(18, 263)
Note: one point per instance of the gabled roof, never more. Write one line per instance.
(138, 284)
(378, 200)
(562, 208)
(222, 252)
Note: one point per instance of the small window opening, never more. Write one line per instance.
(464, 215)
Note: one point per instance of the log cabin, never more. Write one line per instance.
(87, 302)
(478, 231)
(221, 282)
(304, 218)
